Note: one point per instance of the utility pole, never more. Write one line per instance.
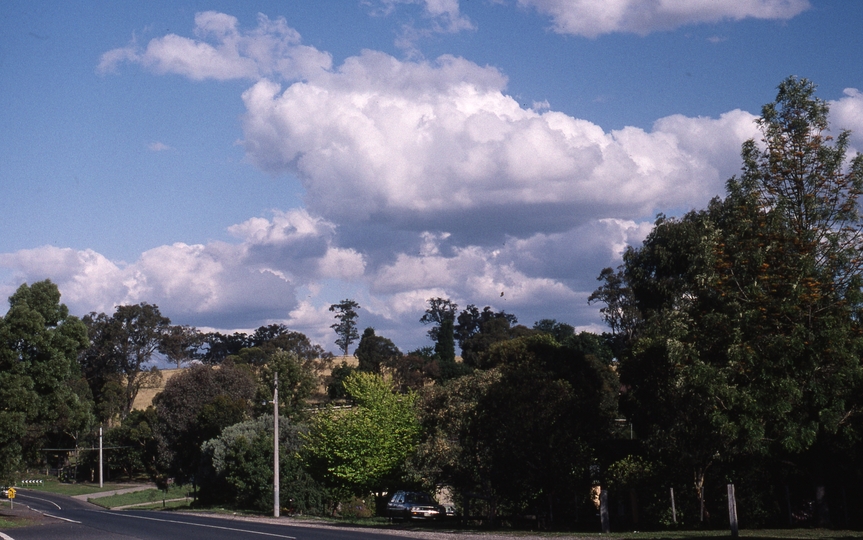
(100, 456)
(276, 445)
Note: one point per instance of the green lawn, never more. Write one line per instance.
(52, 485)
(763, 534)
(154, 496)
(169, 505)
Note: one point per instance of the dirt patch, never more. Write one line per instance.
(21, 516)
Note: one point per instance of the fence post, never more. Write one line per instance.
(673, 509)
(603, 510)
(732, 511)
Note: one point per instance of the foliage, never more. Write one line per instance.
(439, 310)
(180, 343)
(759, 295)
(471, 322)
(346, 327)
(336, 387)
(121, 347)
(42, 400)
(137, 449)
(494, 329)
(375, 352)
(415, 370)
(363, 449)
(194, 407)
(238, 468)
(216, 347)
(296, 384)
(559, 331)
(444, 348)
(276, 337)
(519, 430)
(619, 311)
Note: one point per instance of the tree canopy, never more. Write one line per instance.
(346, 327)
(363, 449)
(44, 399)
(742, 321)
(375, 352)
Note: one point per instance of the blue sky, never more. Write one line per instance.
(246, 163)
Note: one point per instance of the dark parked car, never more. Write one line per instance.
(414, 505)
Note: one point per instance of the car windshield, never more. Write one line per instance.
(418, 498)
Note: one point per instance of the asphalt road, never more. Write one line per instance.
(71, 519)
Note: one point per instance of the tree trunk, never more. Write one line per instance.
(603, 511)
(822, 510)
(700, 473)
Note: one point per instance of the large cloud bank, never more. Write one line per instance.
(422, 178)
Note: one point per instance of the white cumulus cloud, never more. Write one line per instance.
(592, 18)
(846, 113)
(222, 51)
(412, 144)
(216, 285)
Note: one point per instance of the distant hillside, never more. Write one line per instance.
(146, 395)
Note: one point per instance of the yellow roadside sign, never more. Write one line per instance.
(11, 493)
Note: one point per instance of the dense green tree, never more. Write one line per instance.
(362, 450)
(439, 310)
(590, 344)
(42, 400)
(296, 384)
(180, 344)
(336, 386)
(309, 364)
(346, 327)
(121, 348)
(444, 348)
(416, 369)
(492, 328)
(375, 352)
(523, 430)
(216, 347)
(254, 357)
(238, 468)
(747, 338)
(453, 450)
(136, 451)
(194, 407)
(278, 336)
(471, 322)
(619, 311)
(559, 331)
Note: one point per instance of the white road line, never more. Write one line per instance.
(5, 537)
(58, 517)
(45, 500)
(201, 525)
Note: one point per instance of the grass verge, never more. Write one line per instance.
(52, 485)
(167, 505)
(762, 534)
(154, 496)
